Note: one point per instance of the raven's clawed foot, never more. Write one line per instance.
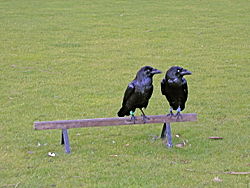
(178, 115)
(171, 114)
(145, 118)
(132, 116)
(133, 119)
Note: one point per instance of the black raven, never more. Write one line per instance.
(138, 92)
(175, 88)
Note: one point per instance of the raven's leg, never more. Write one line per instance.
(132, 116)
(178, 114)
(170, 112)
(144, 117)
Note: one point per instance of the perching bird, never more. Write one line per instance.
(175, 88)
(138, 92)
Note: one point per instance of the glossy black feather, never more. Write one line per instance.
(175, 87)
(139, 91)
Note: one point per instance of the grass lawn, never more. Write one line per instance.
(73, 60)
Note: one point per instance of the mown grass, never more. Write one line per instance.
(73, 60)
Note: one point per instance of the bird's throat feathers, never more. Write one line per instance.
(142, 84)
(175, 81)
(144, 80)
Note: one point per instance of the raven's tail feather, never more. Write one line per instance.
(123, 112)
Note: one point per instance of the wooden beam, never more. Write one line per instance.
(67, 124)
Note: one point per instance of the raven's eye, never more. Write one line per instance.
(178, 70)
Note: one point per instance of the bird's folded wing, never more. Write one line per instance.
(129, 91)
(163, 86)
(185, 88)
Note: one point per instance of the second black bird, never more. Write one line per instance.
(175, 88)
(138, 92)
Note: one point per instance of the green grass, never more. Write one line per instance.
(73, 59)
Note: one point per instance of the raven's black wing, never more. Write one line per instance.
(185, 89)
(125, 110)
(163, 86)
(129, 91)
(147, 95)
(168, 91)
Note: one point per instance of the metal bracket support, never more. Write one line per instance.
(65, 140)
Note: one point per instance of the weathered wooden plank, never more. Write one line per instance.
(67, 124)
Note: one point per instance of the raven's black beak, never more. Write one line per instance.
(185, 72)
(156, 71)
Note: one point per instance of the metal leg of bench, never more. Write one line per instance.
(166, 132)
(163, 132)
(169, 135)
(62, 139)
(65, 140)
